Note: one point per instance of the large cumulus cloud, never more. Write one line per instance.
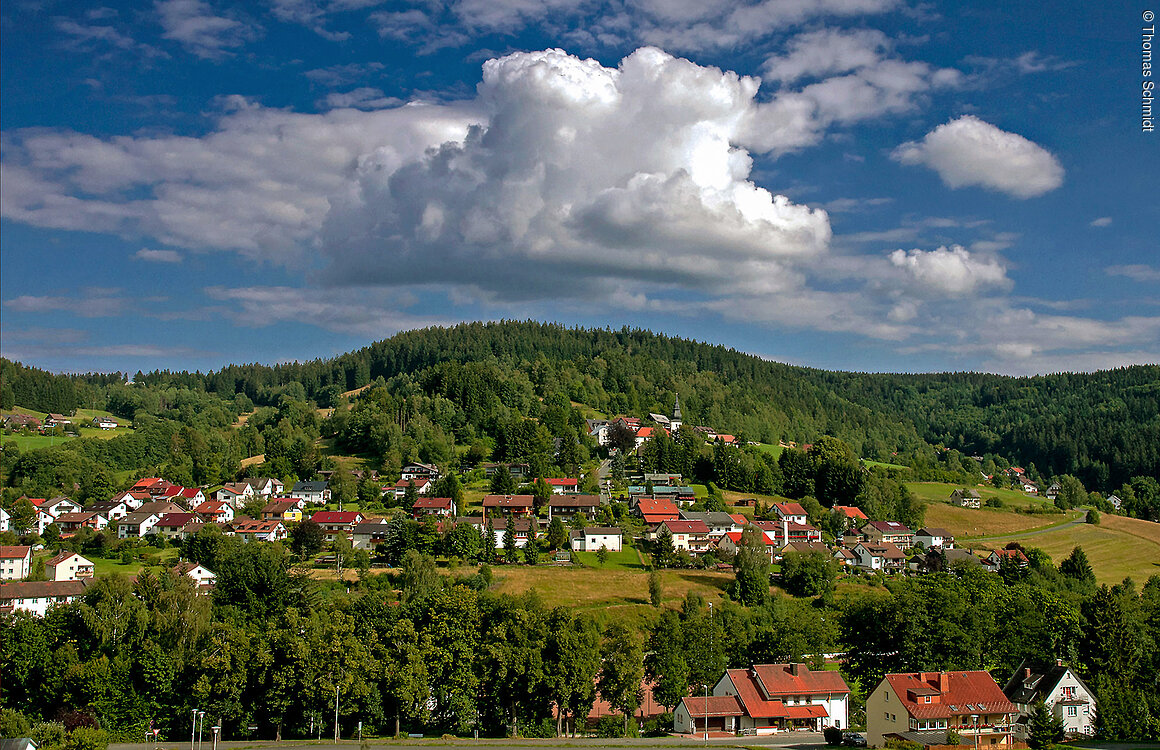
(581, 173)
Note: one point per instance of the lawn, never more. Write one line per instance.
(1117, 548)
(987, 522)
(769, 448)
(884, 465)
(625, 559)
(940, 492)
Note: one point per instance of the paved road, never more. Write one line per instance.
(795, 740)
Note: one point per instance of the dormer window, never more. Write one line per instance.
(926, 699)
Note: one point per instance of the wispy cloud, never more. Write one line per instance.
(158, 256)
(1136, 272)
(204, 33)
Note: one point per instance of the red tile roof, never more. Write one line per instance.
(336, 516)
(654, 506)
(563, 482)
(714, 705)
(850, 511)
(754, 702)
(778, 679)
(14, 552)
(433, 502)
(811, 711)
(686, 527)
(790, 509)
(507, 501)
(965, 693)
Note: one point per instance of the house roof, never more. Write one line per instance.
(850, 511)
(714, 705)
(806, 547)
(750, 695)
(336, 516)
(973, 494)
(160, 507)
(927, 531)
(147, 482)
(432, 502)
(80, 517)
(574, 501)
(309, 486)
(966, 693)
(564, 482)
(739, 518)
(508, 501)
(1014, 554)
(35, 589)
(888, 527)
(183, 568)
(1042, 681)
(136, 518)
(419, 482)
(279, 506)
(104, 505)
(250, 526)
(686, 527)
(779, 679)
(653, 506)
(811, 711)
(177, 520)
(790, 509)
(61, 557)
(603, 531)
(14, 552)
(886, 549)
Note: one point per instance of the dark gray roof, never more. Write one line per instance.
(1042, 681)
(309, 486)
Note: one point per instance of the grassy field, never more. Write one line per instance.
(938, 492)
(31, 442)
(775, 450)
(1118, 547)
(884, 465)
(988, 522)
(608, 588)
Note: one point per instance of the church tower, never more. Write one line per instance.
(676, 421)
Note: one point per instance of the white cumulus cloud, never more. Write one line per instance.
(969, 151)
(950, 270)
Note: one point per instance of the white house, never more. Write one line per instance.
(316, 493)
(113, 510)
(15, 562)
(419, 471)
(775, 698)
(202, 576)
(1060, 688)
(58, 506)
(250, 530)
(885, 556)
(593, 538)
(266, 486)
(235, 493)
(5, 520)
(136, 524)
(930, 537)
(68, 566)
(37, 596)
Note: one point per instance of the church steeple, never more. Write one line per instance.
(676, 420)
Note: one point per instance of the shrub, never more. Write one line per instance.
(87, 738)
(1093, 517)
(994, 502)
(833, 736)
(610, 726)
(543, 729)
(48, 735)
(13, 724)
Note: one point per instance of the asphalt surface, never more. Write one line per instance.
(798, 740)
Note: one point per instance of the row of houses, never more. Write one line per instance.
(69, 575)
(920, 707)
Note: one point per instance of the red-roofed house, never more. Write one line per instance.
(892, 532)
(335, 522)
(731, 542)
(854, 515)
(776, 697)
(993, 561)
(562, 486)
(70, 522)
(15, 562)
(172, 525)
(68, 566)
(235, 493)
(517, 505)
(422, 486)
(971, 703)
(692, 536)
(216, 511)
(155, 486)
(785, 531)
(191, 497)
(249, 530)
(657, 510)
(794, 512)
(433, 506)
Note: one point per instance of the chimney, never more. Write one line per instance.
(1059, 662)
(944, 682)
(793, 669)
(1026, 673)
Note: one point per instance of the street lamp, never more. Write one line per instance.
(200, 726)
(707, 684)
(193, 729)
(216, 730)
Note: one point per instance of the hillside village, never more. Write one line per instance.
(547, 522)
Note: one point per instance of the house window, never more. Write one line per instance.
(926, 699)
(1068, 693)
(1072, 711)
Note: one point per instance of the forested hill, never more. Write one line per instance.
(1103, 427)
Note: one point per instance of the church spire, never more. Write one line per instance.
(677, 409)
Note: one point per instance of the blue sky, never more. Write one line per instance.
(853, 184)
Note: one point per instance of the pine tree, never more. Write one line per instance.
(1044, 728)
